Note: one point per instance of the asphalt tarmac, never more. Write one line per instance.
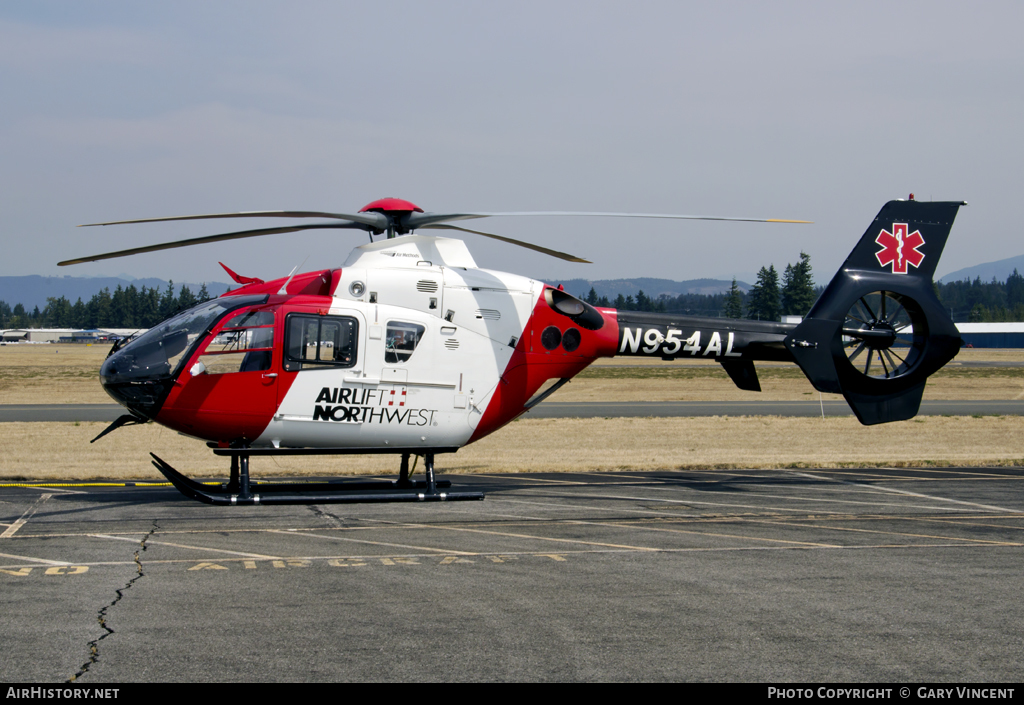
(597, 409)
(774, 576)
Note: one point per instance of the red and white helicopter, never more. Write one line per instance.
(409, 348)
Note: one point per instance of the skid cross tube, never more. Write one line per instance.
(240, 489)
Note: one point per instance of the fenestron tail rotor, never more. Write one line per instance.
(389, 215)
(883, 335)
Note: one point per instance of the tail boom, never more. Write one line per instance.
(874, 335)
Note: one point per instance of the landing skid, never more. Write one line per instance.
(240, 490)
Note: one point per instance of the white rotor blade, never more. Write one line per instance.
(520, 243)
(374, 220)
(419, 220)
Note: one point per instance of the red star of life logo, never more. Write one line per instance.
(899, 249)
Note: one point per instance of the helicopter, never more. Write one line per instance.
(409, 348)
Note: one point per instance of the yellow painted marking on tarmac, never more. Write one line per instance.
(34, 560)
(23, 519)
(961, 522)
(290, 564)
(915, 474)
(870, 490)
(543, 480)
(374, 543)
(12, 529)
(553, 556)
(33, 485)
(685, 502)
(887, 533)
(151, 542)
(207, 566)
(447, 560)
(703, 533)
(352, 561)
(824, 500)
(345, 562)
(67, 570)
(553, 505)
(881, 488)
(523, 536)
(249, 565)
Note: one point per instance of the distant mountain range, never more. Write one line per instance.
(33, 290)
(999, 270)
(651, 287)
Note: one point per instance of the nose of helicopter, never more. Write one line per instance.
(140, 389)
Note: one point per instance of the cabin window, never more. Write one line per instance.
(401, 340)
(313, 341)
(244, 344)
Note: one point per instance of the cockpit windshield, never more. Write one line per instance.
(159, 352)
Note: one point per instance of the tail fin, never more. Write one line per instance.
(878, 330)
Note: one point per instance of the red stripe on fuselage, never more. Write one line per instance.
(532, 364)
(236, 406)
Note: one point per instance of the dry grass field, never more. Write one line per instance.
(67, 374)
(62, 450)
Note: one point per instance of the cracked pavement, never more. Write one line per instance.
(101, 617)
(785, 575)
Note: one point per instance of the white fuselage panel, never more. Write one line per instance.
(472, 320)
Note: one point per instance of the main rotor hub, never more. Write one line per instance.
(397, 212)
(391, 205)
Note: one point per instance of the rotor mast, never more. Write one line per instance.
(397, 211)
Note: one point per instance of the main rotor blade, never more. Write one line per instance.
(419, 220)
(373, 220)
(527, 245)
(208, 238)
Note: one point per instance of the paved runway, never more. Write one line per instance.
(554, 409)
(867, 575)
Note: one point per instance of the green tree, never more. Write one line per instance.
(78, 314)
(643, 302)
(798, 287)
(169, 302)
(18, 318)
(98, 310)
(733, 302)
(57, 313)
(148, 310)
(186, 299)
(763, 299)
(119, 310)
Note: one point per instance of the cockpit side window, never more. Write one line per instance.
(401, 340)
(314, 341)
(244, 344)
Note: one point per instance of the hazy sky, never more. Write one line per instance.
(820, 111)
